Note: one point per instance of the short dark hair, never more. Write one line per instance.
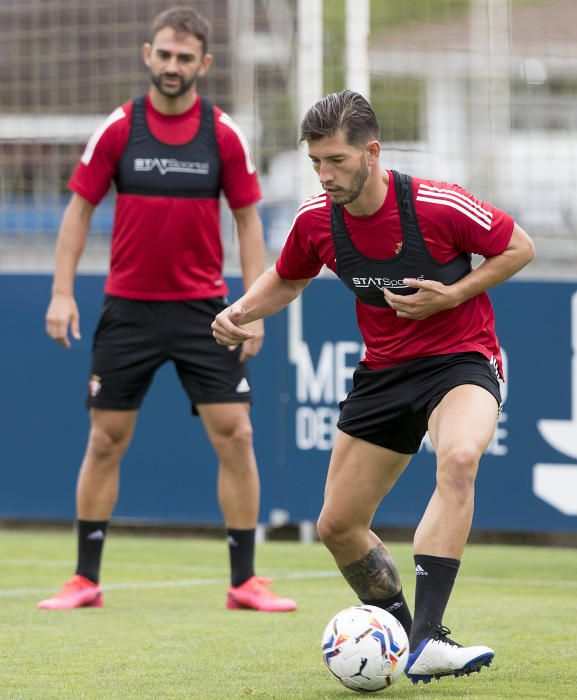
(183, 20)
(347, 111)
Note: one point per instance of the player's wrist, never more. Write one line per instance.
(457, 296)
(58, 293)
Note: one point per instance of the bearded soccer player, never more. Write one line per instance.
(170, 153)
(403, 246)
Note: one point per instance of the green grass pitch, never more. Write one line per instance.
(164, 631)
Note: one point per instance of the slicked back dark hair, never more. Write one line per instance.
(345, 111)
(183, 20)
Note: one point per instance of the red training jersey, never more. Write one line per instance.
(166, 248)
(452, 221)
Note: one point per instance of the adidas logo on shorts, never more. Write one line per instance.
(243, 386)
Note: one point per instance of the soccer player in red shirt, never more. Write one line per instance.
(403, 246)
(170, 153)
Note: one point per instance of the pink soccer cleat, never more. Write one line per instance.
(253, 594)
(79, 592)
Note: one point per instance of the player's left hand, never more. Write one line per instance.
(430, 298)
(252, 346)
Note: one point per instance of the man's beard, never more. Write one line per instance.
(185, 85)
(357, 184)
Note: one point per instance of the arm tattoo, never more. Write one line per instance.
(375, 576)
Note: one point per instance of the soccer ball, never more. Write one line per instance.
(365, 648)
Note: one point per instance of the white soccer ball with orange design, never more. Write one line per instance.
(365, 648)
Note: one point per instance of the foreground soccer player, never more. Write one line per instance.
(170, 153)
(402, 245)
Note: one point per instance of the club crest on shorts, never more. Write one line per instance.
(94, 385)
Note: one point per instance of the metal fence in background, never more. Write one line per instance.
(481, 92)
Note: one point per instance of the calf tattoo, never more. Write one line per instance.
(375, 576)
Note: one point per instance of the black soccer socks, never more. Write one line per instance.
(241, 552)
(91, 535)
(397, 606)
(435, 579)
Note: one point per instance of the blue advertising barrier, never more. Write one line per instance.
(527, 480)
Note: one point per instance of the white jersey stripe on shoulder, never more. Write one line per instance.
(312, 205)
(462, 202)
(427, 189)
(455, 193)
(305, 209)
(250, 166)
(321, 198)
(454, 205)
(315, 197)
(86, 157)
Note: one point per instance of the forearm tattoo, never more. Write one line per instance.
(375, 576)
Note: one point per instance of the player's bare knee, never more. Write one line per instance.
(234, 441)
(333, 532)
(456, 470)
(104, 445)
(459, 458)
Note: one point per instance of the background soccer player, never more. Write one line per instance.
(170, 153)
(402, 245)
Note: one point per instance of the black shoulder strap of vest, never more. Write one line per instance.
(344, 249)
(138, 127)
(139, 103)
(139, 108)
(207, 117)
(411, 232)
(338, 221)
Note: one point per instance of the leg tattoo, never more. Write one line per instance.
(375, 576)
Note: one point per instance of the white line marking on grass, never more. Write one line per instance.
(63, 563)
(557, 583)
(176, 583)
(36, 562)
(301, 576)
(179, 583)
(183, 583)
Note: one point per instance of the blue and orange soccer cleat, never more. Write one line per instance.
(253, 594)
(78, 592)
(438, 656)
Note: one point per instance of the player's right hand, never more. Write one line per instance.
(61, 315)
(226, 327)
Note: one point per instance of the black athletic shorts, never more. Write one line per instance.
(134, 338)
(391, 407)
